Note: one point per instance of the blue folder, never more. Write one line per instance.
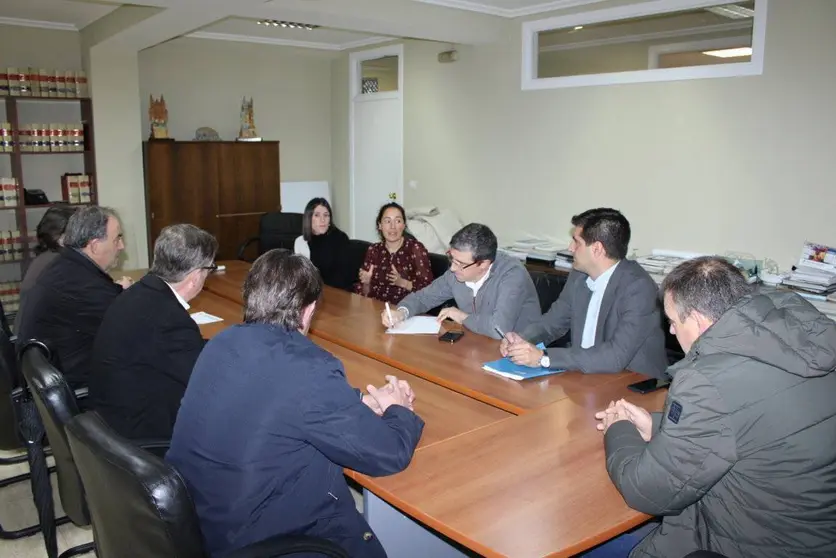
(504, 367)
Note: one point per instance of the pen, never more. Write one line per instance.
(499, 331)
(389, 314)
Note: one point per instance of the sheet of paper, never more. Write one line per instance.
(204, 318)
(418, 325)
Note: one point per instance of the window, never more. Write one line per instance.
(655, 41)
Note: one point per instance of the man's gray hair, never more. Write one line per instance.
(477, 239)
(180, 249)
(278, 288)
(709, 285)
(86, 225)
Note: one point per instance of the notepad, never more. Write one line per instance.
(417, 325)
(201, 318)
(504, 367)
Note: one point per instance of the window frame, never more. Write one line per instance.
(530, 47)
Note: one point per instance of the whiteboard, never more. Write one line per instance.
(296, 195)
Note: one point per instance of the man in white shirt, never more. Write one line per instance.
(609, 303)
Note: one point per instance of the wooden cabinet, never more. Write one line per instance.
(222, 187)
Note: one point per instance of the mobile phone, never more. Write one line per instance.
(451, 336)
(648, 386)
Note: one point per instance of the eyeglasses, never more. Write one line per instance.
(461, 266)
(212, 268)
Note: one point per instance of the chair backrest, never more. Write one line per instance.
(278, 230)
(549, 286)
(439, 263)
(140, 505)
(57, 405)
(9, 379)
(357, 252)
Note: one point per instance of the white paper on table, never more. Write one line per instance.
(201, 318)
(416, 325)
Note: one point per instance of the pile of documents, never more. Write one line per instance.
(539, 249)
(662, 262)
(816, 270)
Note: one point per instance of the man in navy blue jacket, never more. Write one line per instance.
(268, 422)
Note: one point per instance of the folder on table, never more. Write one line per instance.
(504, 367)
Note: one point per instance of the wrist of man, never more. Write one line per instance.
(405, 311)
(545, 361)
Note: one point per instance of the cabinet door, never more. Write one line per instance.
(182, 186)
(249, 188)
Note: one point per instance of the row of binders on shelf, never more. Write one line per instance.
(44, 138)
(10, 296)
(40, 82)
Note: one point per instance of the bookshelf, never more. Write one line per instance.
(49, 137)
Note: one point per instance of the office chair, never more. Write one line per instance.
(140, 504)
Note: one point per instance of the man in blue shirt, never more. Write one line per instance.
(268, 422)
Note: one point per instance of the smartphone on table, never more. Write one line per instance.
(451, 336)
(649, 386)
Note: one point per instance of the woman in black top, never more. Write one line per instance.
(328, 245)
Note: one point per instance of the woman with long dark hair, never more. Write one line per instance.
(325, 245)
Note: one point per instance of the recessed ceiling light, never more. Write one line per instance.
(287, 24)
(730, 52)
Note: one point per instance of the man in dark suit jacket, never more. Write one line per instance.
(65, 306)
(148, 343)
(609, 303)
(268, 423)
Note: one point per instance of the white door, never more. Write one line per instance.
(376, 135)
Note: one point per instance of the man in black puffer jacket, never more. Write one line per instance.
(742, 461)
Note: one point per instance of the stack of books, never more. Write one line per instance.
(564, 259)
(816, 270)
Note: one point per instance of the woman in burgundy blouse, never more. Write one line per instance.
(396, 266)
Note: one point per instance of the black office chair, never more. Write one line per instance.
(57, 405)
(275, 230)
(549, 286)
(141, 506)
(10, 439)
(357, 252)
(439, 263)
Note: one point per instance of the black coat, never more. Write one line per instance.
(142, 359)
(64, 309)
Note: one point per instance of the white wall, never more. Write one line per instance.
(203, 82)
(743, 164)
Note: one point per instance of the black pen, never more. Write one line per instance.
(499, 331)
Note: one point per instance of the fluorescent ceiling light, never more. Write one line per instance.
(730, 52)
(732, 11)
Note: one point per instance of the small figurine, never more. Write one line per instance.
(248, 131)
(158, 116)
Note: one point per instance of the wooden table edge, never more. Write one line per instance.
(458, 388)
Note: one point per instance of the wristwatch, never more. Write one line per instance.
(544, 360)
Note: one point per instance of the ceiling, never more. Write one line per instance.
(236, 28)
(64, 13)
(343, 24)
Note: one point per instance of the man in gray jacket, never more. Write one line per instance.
(742, 460)
(609, 303)
(491, 290)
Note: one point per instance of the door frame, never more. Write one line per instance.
(355, 96)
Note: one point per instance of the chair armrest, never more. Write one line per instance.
(287, 545)
(157, 447)
(243, 247)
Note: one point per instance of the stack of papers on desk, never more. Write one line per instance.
(504, 367)
(418, 325)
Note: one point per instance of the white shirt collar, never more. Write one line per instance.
(180, 299)
(602, 281)
(475, 286)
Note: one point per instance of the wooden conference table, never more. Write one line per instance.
(532, 485)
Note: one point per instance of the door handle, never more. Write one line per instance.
(240, 214)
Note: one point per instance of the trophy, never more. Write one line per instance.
(158, 116)
(248, 131)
